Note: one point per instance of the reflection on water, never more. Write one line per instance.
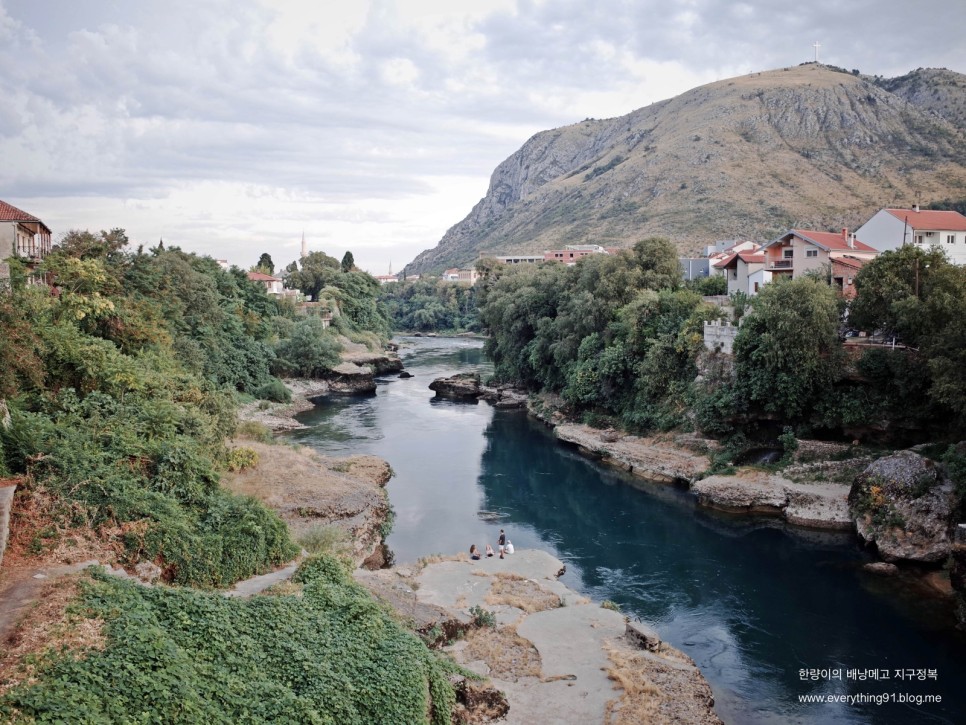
(751, 602)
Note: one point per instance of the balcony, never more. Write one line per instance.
(780, 264)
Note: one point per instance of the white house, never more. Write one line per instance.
(891, 228)
(740, 268)
(273, 285)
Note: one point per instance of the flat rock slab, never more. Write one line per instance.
(815, 505)
(573, 641)
(645, 457)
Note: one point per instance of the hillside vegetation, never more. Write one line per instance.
(747, 157)
(122, 381)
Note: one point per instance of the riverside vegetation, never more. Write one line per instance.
(620, 339)
(121, 382)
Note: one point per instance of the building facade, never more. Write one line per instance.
(889, 229)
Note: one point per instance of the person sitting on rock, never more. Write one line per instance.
(474, 552)
(489, 550)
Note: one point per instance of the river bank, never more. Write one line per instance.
(552, 653)
(555, 655)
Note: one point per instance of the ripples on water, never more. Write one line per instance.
(749, 601)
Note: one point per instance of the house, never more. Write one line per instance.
(452, 275)
(22, 235)
(890, 229)
(518, 258)
(469, 276)
(716, 255)
(273, 285)
(694, 267)
(572, 252)
(801, 250)
(385, 278)
(739, 268)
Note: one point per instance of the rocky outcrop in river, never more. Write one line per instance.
(462, 386)
(467, 386)
(905, 505)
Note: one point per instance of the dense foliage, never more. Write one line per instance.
(332, 655)
(120, 388)
(341, 288)
(620, 339)
(121, 383)
(614, 333)
(431, 304)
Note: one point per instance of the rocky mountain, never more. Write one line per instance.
(749, 157)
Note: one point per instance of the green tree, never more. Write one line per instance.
(317, 270)
(900, 293)
(348, 262)
(787, 353)
(265, 264)
(85, 245)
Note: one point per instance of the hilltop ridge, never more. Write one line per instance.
(746, 157)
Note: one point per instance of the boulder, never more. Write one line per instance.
(642, 636)
(404, 374)
(351, 379)
(504, 396)
(905, 506)
(148, 572)
(462, 386)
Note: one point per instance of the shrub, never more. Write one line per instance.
(329, 656)
(482, 617)
(275, 391)
(241, 458)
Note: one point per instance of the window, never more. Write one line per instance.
(787, 253)
(919, 239)
(811, 252)
(950, 239)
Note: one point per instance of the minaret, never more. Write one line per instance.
(390, 268)
(305, 249)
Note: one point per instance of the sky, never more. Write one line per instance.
(232, 128)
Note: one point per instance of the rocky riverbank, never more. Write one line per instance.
(355, 375)
(340, 499)
(553, 655)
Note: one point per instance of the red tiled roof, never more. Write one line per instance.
(833, 241)
(10, 213)
(262, 277)
(746, 257)
(853, 262)
(951, 221)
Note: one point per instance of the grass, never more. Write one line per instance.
(517, 591)
(323, 539)
(508, 655)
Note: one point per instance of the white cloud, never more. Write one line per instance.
(234, 124)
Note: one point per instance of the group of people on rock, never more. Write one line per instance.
(504, 545)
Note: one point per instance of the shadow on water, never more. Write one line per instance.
(750, 600)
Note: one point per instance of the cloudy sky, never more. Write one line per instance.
(230, 127)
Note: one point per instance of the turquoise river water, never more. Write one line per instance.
(752, 602)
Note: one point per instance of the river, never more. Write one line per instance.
(752, 602)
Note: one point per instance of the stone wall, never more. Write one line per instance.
(719, 336)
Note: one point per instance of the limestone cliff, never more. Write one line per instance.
(746, 157)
